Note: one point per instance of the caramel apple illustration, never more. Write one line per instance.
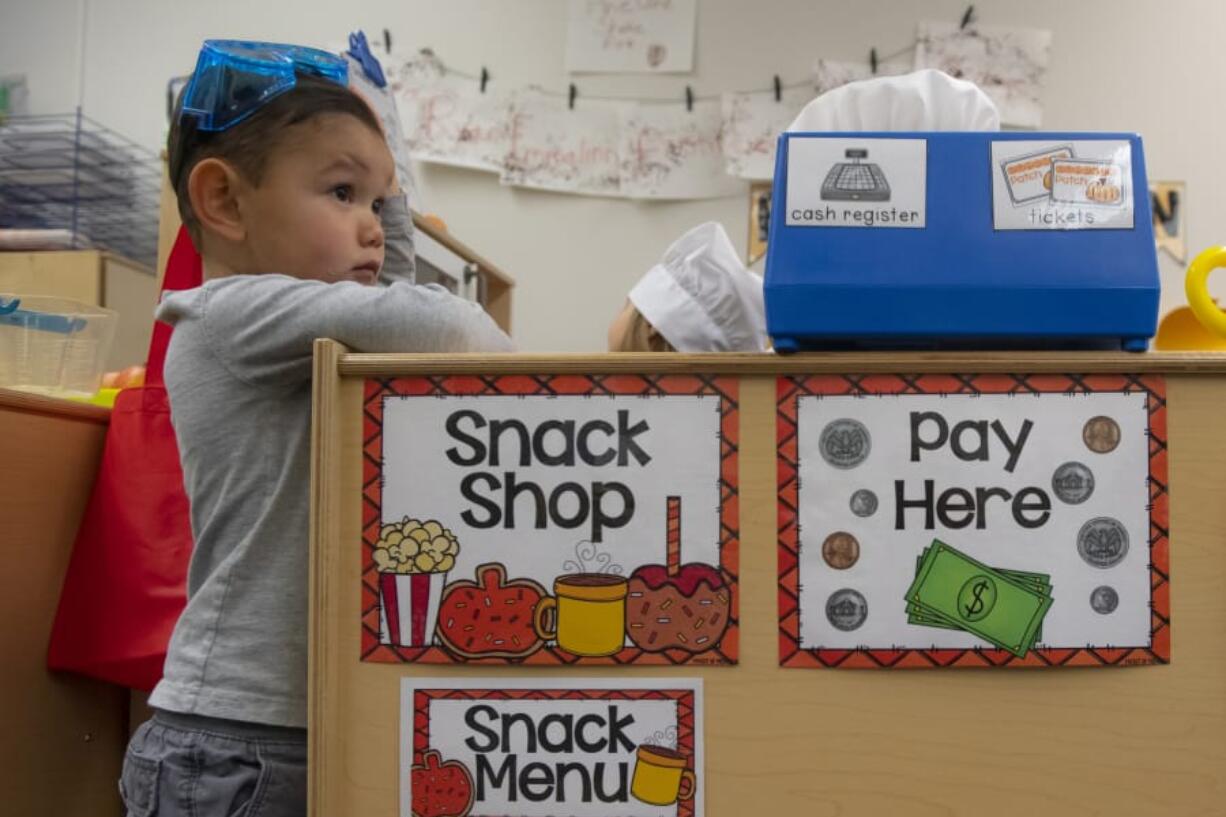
(676, 606)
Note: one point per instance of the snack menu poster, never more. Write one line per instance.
(590, 747)
(550, 519)
(972, 520)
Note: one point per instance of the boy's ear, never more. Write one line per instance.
(213, 189)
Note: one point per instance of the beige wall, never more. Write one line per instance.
(1154, 67)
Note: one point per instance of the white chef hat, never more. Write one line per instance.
(701, 298)
(925, 100)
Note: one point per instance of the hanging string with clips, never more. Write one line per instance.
(689, 98)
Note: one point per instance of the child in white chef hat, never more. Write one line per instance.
(699, 298)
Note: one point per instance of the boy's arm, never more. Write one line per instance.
(399, 255)
(263, 327)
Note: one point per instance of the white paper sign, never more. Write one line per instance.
(1065, 185)
(516, 747)
(555, 148)
(841, 182)
(630, 36)
(752, 124)
(507, 522)
(446, 119)
(669, 152)
(1009, 64)
(1030, 482)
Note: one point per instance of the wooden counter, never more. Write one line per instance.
(63, 737)
(1114, 741)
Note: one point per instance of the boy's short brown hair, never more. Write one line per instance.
(250, 143)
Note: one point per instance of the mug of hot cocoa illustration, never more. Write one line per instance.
(661, 776)
(586, 614)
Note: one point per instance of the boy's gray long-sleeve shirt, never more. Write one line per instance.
(238, 373)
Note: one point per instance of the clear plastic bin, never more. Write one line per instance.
(54, 346)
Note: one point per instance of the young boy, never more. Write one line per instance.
(290, 198)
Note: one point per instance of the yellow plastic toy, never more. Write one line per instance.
(1200, 326)
(1197, 287)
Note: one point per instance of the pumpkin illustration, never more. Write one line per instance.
(1103, 191)
(440, 789)
(491, 617)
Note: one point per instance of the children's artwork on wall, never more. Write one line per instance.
(752, 123)
(1170, 222)
(1008, 63)
(983, 520)
(446, 119)
(615, 36)
(492, 747)
(669, 152)
(551, 520)
(554, 147)
(831, 74)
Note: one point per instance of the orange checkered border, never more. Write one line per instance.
(683, 697)
(789, 389)
(376, 390)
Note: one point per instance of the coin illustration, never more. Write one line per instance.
(1102, 542)
(864, 502)
(844, 443)
(1073, 483)
(1101, 434)
(846, 609)
(840, 550)
(1104, 599)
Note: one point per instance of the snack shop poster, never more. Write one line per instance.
(473, 747)
(550, 520)
(972, 520)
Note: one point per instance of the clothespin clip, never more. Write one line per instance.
(359, 49)
(968, 18)
(485, 77)
(872, 59)
(689, 99)
(574, 92)
(778, 89)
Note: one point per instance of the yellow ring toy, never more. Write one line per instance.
(1196, 284)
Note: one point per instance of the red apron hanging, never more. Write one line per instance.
(127, 579)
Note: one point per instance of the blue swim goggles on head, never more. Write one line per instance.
(235, 78)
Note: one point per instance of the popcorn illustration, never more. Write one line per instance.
(412, 558)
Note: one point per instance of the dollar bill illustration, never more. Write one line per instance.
(1038, 582)
(978, 598)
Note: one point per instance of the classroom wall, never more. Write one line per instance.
(1154, 67)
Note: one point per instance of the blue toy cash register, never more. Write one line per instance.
(961, 239)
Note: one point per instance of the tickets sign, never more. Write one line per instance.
(971, 520)
(550, 520)
(1081, 184)
(472, 747)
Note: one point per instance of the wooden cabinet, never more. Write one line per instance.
(62, 741)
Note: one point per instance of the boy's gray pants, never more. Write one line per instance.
(206, 767)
